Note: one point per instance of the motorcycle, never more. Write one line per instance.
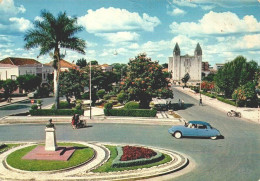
(234, 114)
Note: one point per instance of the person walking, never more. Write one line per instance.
(200, 104)
(73, 122)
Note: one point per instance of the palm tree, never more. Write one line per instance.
(52, 33)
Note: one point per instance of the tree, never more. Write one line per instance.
(235, 74)
(9, 87)
(71, 84)
(186, 78)
(94, 62)
(165, 65)
(29, 82)
(120, 71)
(246, 93)
(52, 33)
(209, 77)
(145, 80)
(81, 62)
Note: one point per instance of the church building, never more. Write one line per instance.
(180, 65)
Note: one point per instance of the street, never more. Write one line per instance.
(236, 157)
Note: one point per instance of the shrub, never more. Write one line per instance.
(101, 93)
(132, 105)
(226, 101)
(121, 97)
(133, 153)
(106, 97)
(63, 105)
(85, 95)
(55, 112)
(117, 163)
(131, 112)
(108, 106)
(34, 107)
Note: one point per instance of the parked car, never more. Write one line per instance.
(196, 129)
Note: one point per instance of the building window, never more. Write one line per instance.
(13, 77)
(44, 76)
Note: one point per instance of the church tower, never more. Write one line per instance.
(198, 59)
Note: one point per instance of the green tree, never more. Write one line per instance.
(145, 80)
(101, 93)
(120, 71)
(71, 84)
(235, 74)
(165, 65)
(29, 82)
(94, 62)
(9, 87)
(81, 62)
(53, 33)
(209, 78)
(185, 79)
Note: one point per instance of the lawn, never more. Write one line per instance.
(81, 155)
(14, 107)
(8, 146)
(106, 167)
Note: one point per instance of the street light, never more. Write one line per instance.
(90, 89)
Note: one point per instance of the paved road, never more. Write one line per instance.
(237, 157)
(21, 107)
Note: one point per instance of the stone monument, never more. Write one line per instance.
(50, 141)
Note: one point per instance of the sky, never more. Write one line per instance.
(117, 30)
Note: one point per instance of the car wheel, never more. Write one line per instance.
(177, 135)
(213, 137)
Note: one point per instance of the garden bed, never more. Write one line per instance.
(81, 155)
(107, 167)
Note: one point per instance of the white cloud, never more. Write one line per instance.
(120, 36)
(207, 7)
(8, 9)
(177, 11)
(114, 19)
(133, 46)
(21, 24)
(217, 23)
(184, 3)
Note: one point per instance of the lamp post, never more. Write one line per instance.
(90, 89)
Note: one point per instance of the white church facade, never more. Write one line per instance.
(180, 65)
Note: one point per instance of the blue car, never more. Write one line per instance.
(196, 129)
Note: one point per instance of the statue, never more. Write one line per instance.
(50, 124)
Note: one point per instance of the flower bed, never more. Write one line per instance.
(133, 153)
(135, 157)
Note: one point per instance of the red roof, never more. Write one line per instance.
(19, 61)
(64, 64)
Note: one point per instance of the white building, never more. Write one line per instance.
(180, 65)
(11, 68)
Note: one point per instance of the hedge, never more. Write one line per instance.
(226, 101)
(131, 112)
(55, 112)
(143, 161)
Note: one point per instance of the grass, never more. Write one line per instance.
(106, 167)
(81, 155)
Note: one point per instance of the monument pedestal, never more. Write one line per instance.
(50, 141)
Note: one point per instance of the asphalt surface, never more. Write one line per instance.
(236, 157)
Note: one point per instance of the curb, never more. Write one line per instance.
(83, 172)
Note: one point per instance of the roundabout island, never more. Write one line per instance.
(90, 161)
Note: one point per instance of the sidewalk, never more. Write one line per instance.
(252, 114)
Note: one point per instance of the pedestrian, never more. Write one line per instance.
(76, 120)
(179, 103)
(200, 102)
(182, 103)
(73, 121)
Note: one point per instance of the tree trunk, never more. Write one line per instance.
(56, 89)
(56, 78)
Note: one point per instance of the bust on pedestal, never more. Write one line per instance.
(50, 142)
